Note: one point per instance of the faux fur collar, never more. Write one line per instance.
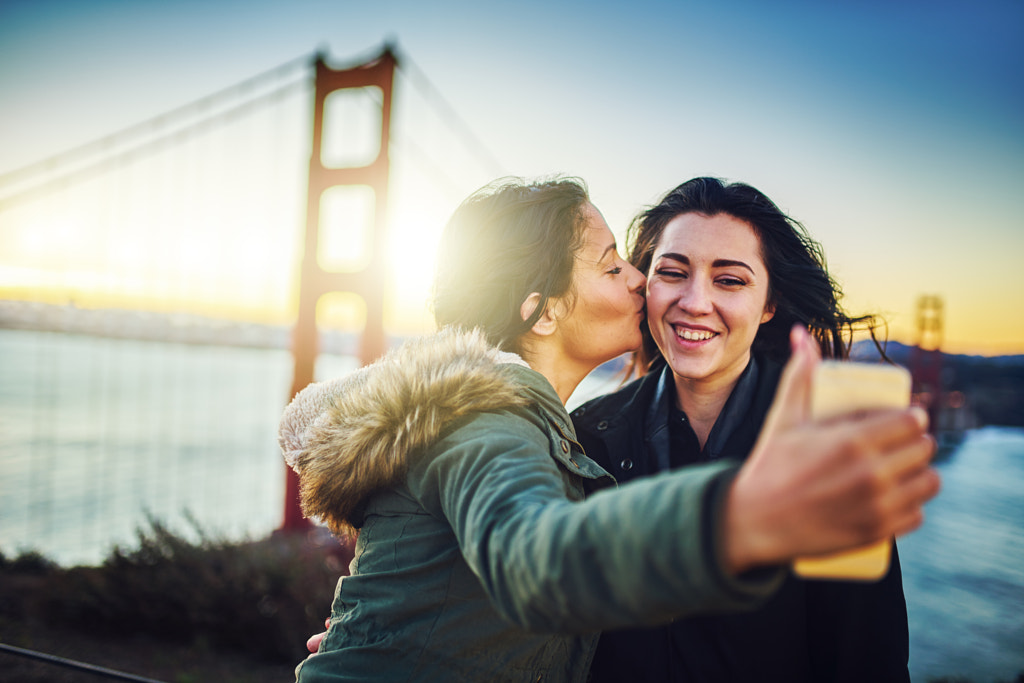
(351, 437)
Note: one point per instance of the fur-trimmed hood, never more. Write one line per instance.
(351, 437)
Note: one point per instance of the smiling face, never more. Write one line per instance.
(707, 294)
(602, 319)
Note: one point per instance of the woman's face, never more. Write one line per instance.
(605, 315)
(707, 294)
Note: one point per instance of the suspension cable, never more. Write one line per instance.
(150, 146)
(161, 121)
(455, 122)
(415, 75)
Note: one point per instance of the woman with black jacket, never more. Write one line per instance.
(728, 276)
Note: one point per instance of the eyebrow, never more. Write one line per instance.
(610, 247)
(717, 263)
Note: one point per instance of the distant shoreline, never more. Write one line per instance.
(180, 328)
(991, 386)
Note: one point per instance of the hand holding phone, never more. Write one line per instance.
(840, 388)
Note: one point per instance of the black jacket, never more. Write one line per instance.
(830, 631)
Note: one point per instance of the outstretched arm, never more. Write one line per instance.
(814, 487)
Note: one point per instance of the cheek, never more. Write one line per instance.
(656, 302)
(618, 303)
(655, 312)
(755, 314)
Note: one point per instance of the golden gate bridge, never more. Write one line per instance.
(192, 221)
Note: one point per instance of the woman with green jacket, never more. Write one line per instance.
(456, 466)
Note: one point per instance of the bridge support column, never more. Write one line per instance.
(316, 281)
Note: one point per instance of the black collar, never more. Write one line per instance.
(733, 413)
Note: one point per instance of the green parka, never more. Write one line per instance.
(477, 558)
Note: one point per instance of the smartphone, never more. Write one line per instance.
(839, 388)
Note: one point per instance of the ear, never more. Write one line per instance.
(769, 312)
(546, 323)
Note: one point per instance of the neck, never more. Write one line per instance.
(703, 400)
(564, 373)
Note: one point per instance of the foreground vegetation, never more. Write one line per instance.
(171, 608)
(176, 610)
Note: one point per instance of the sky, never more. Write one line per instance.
(894, 131)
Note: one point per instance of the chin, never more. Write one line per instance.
(625, 349)
(686, 368)
(630, 344)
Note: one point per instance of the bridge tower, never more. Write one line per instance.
(926, 355)
(316, 280)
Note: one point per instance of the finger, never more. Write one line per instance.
(905, 502)
(916, 490)
(885, 428)
(910, 522)
(812, 344)
(907, 460)
(792, 397)
(313, 644)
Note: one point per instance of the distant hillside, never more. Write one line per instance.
(993, 387)
(900, 353)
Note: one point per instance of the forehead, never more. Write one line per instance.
(721, 236)
(597, 235)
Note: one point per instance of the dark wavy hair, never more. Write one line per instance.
(799, 285)
(507, 240)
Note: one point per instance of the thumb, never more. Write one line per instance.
(792, 404)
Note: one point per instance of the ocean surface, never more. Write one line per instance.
(97, 434)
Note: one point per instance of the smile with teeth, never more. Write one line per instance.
(694, 335)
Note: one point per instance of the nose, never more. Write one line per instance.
(695, 297)
(635, 280)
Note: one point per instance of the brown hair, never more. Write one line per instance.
(506, 241)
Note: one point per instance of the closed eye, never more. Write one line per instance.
(670, 273)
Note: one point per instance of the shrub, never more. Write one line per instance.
(262, 598)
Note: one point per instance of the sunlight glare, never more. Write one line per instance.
(412, 255)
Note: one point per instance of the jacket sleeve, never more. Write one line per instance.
(858, 631)
(638, 555)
